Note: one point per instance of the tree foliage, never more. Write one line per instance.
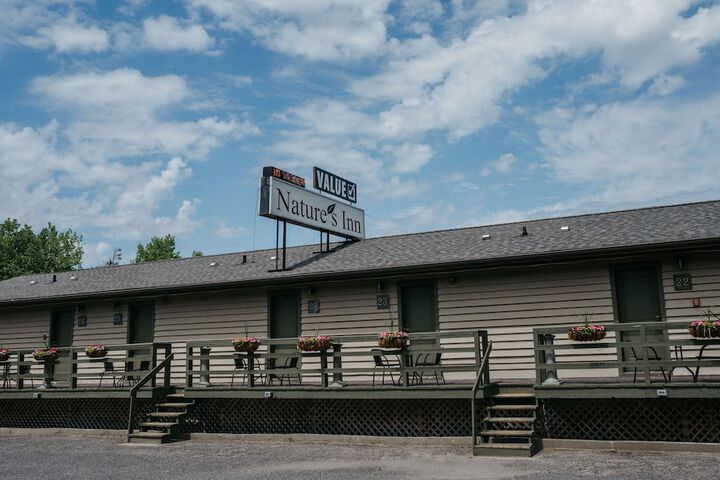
(158, 248)
(23, 252)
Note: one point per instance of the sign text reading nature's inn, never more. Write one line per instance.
(284, 201)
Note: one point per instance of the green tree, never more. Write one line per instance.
(23, 252)
(197, 253)
(158, 248)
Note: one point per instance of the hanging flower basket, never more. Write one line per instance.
(396, 340)
(4, 354)
(45, 354)
(246, 344)
(587, 333)
(704, 329)
(316, 343)
(96, 351)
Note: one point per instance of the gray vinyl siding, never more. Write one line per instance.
(510, 304)
(23, 328)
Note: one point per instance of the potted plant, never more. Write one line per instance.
(4, 354)
(393, 338)
(587, 332)
(46, 353)
(314, 343)
(245, 344)
(708, 328)
(96, 351)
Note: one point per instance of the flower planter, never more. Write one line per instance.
(45, 354)
(96, 351)
(395, 340)
(592, 333)
(246, 345)
(704, 332)
(314, 344)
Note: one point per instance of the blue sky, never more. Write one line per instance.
(123, 120)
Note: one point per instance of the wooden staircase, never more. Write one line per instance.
(508, 428)
(165, 424)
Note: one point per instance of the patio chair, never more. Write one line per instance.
(385, 366)
(9, 377)
(428, 360)
(651, 355)
(109, 369)
(287, 362)
(239, 367)
(133, 379)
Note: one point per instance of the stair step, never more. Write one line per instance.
(505, 449)
(512, 407)
(509, 419)
(175, 405)
(515, 395)
(166, 414)
(158, 424)
(149, 437)
(507, 433)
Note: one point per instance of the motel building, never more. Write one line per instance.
(490, 354)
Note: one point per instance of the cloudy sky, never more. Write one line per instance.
(123, 120)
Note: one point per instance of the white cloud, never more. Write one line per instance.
(315, 29)
(641, 151)
(70, 37)
(115, 164)
(410, 157)
(459, 86)
(224, 230)
(502, 164)
(169, 33)
(665, 85)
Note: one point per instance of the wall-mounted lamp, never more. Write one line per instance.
(80, 308)
(680, 262)
(117, 305)
(311, 291)
(380, 286)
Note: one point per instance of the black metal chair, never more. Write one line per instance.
(288, 362)
(133, 379)
(9, 377)
(385, 365)
(109, 369)
(239, 367)
(650, 356)
(429, 360)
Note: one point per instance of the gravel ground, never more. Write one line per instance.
(35, 457)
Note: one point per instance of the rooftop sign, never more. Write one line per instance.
(330, 183)
(283, 175)
(288, 202)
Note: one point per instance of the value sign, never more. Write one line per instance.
(284, 201)
(330, 183)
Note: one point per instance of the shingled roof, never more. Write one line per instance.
(658, 227)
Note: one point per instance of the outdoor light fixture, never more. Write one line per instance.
(380, 286)
(311, 291)
(680, 262)
(117, 306)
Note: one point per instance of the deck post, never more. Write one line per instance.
(205, 367)
(20, 380)
(323, 368)
(251, 369)
(48, 374)
(74, 378)
(189, 367)
(551, 377)
(337, 365)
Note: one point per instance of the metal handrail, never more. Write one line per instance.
(133, 391)
(482, 370)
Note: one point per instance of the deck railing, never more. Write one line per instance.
(122, 366)
(638, 353)
(434, 359)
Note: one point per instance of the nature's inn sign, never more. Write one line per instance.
(291, 203)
